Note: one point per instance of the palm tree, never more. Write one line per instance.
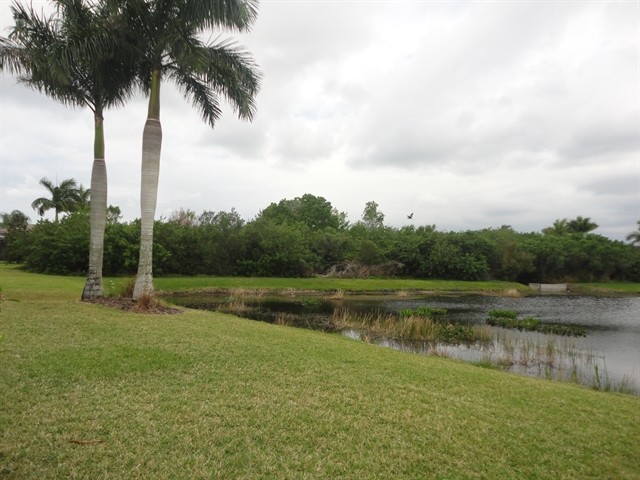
(634, 237)
(78, 57)
(83, 199)
(167, 35)
(581, 225)
(560, 227)
(62, 198)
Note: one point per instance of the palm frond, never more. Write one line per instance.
(233, 72)
(201, 94)
(235, 15)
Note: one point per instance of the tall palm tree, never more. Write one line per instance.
(77, 56)
(62, 198)
(167, 33)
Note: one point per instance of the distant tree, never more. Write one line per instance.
(315, 212)
(634, 237)
(581, 225)
(63, 198)
(114, 215)
(221, 219)
(371, 216)
(16, 220)
(559, 227)
(83, 198)
(184, 217)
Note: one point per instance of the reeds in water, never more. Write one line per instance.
(408, 327)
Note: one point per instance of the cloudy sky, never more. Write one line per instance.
(471, 114)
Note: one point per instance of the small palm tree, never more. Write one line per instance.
(167, 34)
(63, 198)
(78, 57)
(83, 199)
(634, 237)
(559, 227)
(582, 225)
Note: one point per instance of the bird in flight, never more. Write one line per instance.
(410, 216)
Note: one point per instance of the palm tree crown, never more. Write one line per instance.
(64, 197)
(634, 237)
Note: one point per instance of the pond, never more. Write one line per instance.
(606, 357)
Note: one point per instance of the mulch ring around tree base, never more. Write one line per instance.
(145, 305)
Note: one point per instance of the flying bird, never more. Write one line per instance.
(410, 216)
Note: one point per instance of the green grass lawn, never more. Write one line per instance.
(332, 284)
(350, 285)
(96, 393)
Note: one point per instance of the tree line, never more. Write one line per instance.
(306, 236)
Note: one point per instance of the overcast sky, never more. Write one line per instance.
(469, 114)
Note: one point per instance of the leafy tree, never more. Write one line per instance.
(11, 243)
(63, 198)
(315, 212)
(59, 248)
(184, 217)
(167, 35)
(114, 214)
(78, 57)
(15, 220)
(371, 216)
(219, 238)
(222, 220)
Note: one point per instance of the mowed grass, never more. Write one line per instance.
(359, 285)
(332, 284)
(91, 392)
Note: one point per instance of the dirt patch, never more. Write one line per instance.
(131, 305)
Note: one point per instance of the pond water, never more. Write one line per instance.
(608, 356)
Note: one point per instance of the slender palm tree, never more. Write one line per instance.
(634, 237)
(62, 198)
(77, 56)
(167, 33)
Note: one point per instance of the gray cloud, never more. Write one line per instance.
(473, 114)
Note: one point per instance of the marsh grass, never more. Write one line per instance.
(550, 357)
(426, 325)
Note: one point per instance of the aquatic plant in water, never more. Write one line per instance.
(509, 319)
(424, 325)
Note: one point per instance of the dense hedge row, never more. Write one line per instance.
(294, 240)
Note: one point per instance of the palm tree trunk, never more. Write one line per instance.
(98, 213)
(151, 146)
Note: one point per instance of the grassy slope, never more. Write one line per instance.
(203, 395)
